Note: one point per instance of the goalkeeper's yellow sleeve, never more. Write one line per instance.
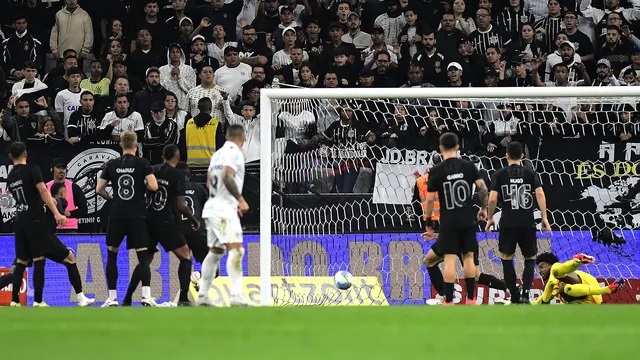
(547, 295)
(560, 270)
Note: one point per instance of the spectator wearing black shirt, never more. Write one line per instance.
(84, 123)
(151, 93)
(488, 34)
(20, 124)
(582, 42)
(383, 75)
(251, 51)
(431, 61)
(20, 47)
(153, 24)
(145, 56)
(268, 20)
(223, 14)
(448, 37)
(199, 57)
(158, 133)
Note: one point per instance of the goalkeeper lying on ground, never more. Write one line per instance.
(569, 284)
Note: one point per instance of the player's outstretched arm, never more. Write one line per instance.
(542, 204)
(51, 204)
(152, 183)
(100, 190)
(182, 207)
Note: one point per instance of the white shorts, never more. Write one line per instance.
(221, 231)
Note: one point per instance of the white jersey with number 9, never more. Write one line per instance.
(221, 203)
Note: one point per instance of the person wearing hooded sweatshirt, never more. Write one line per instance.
(204, 134)
(73, 30)
(150, 93)
(158, 133)
(176, 76)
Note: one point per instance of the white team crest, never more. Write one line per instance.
(85, 169)
(493, 39)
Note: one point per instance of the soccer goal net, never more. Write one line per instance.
(338, 184)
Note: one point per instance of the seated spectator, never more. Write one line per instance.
(47, 133)
(84, 123)
(20, 124)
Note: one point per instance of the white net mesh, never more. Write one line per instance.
(344, 174)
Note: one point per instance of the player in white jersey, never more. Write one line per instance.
(222, 213)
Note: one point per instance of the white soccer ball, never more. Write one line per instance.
(195, 277)
(343, 280)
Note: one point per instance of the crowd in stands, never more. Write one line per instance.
(80, 72)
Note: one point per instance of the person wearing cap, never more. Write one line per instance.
(584, 46)
(186, 33)
(145, 56)
(286, 22)
(365, 78)
(68, 100)
(491, 77)
(313, 44)
(561, 75)
(98, 85)
(629, 77)
(233, 74)
(360, 39)
(393, 21)
(290, 73)
(76, 200)
(378, 44)
(615, 50)
(177, 77)
(454, 74)
(150, 93)
(520, 77)
(282, 57)
(158, 133)
(565, 54)
(604, 74)
(178, 13)
(199, 56)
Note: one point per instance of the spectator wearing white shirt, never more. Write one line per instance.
(251, 123)
(566, 54)
(176, 76)
(206, 89)
(283, 57)
(360, 39)
(120, 120)
(368, 54)
(216, 48)
(392, 22)
(68, 100)
(233, 74)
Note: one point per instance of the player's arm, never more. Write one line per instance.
(542, 203)
(100, 189)
(152, 182)
(547, 294)
(181, 205)
(228, 174)
(483, 192)
(51, 204)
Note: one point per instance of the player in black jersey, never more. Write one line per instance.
(32, 240)
(128, 175)
(163, 206)
(453, 180)
(515, 186)
(195, 195)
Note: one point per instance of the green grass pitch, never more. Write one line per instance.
(327, 333)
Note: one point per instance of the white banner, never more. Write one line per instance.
(396, 175)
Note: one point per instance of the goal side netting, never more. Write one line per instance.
(339, 169)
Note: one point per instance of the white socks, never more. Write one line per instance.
(234, 270)
(146, 292)
(113, 295)
(209, 266)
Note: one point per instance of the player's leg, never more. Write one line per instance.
(7, 278)
(469, 247)
(561, 270)
(184, 272)
(154, 232)
(138, 239)
(431, 261)
(528, 243)
(449, 244)
(39, 243)
(507, 242)
(116, 230)
(589, 285)
(212, 261)
(235, 253)
(62, 255)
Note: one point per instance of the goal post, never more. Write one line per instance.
(356, 213)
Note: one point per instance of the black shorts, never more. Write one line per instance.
(32, 240)
(165, 233)
(134, 229)
(440, 254)
(58, 251)
(524, 237)
(458, 241)
(197, 242)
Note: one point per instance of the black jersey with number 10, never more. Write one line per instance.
(22, 181)
(161, 203)
(453, 180)
(127, 176)
(516, 186)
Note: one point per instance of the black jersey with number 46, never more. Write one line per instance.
(161, 203)
(516, 186)
(22, 181)
(454, 180)
(127, 176)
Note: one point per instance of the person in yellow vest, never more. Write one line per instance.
(204, 134)
(76, 201)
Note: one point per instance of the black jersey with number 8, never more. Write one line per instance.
(161, 203)
(127, 176)
(516, 186)
(453, 180)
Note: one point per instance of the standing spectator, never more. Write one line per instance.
(76, 201)
(605, 77)
(206, 89)
(98, 85)
(152, 92)
(19, 48)
(172, 24)
(411, 37)
(68, 100)
(176, 76)
(158, 133)
(153, 24)
(431, 61)
(235, 73)
(392, 22)
(286, 21)
(116, 32)
(204, 134)
(582, 42)
(283, 57)
(512, 18)
(29, 83)
(488, 35)
(268, 20)
(448, 37)
(57, 80)
(379, 45)
(145, 56)
(463, 22)
(199, 55)
(73, 30)
(549, 27)
(360, 39)
(526, 44)
(121, 119)
(566, 54)
(383, 75)
(222, 14)
(615, 50)
(216, 48)
(251, 51)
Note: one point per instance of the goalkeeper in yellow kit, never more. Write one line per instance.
(570, 285)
